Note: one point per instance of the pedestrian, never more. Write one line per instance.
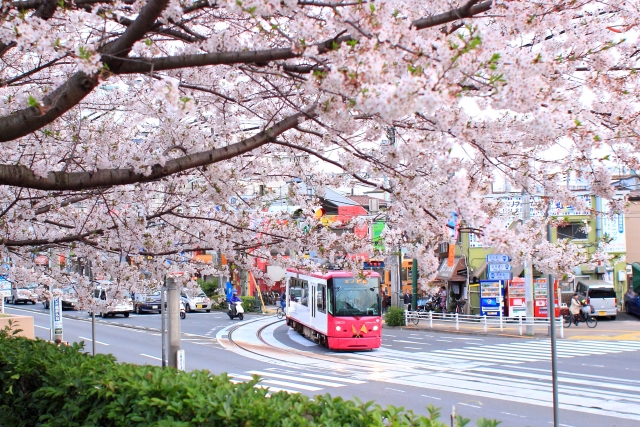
(385, 305)
(443, 298)
(407, 301)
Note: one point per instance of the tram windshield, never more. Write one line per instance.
(356, 297)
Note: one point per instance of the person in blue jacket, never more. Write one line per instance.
(234, 298)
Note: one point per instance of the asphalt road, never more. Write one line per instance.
(482, 376)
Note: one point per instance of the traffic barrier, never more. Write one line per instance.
(484, 323)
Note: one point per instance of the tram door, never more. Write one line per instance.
(318, 306)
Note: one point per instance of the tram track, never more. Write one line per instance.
(284, 355)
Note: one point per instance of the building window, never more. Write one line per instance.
(572, 231)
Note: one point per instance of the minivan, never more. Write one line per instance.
(111, 308)
(601, 295)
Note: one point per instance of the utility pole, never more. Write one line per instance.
(528, 268)
(414, 284)
(173, 322)
(551, 307)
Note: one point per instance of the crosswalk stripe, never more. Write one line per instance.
(342, 379)
(296, 378)
(567, 380)
(277, 382)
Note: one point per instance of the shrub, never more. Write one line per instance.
(394, 316)
(48, 385)
(248, 303)
(209, 287)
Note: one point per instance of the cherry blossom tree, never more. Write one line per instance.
(127, 126)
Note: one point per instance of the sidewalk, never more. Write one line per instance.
(625, 328)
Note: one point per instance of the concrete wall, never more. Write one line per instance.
(18, 322)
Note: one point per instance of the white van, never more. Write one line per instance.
(124, 306)
(601, 295)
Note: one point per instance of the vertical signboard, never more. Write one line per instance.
(56, 308)
(181, 361)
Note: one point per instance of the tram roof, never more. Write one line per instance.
(331, 273)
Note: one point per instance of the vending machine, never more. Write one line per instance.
(491, 297)
(540, 298)
(516, 302)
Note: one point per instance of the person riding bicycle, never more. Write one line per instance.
(575, 308)
(283, 300)
(233, 300)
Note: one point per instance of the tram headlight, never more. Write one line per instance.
(338, 328)
(375, 327)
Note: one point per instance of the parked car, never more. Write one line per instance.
(122, 306)
(5, 288)
(69, 298)
(632, 302)
(147, 302)
(195, 299)
(24, 293)
(601, 295)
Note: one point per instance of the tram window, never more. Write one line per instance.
(304, 293)
(321, 297)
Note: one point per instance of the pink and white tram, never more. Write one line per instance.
(345, 313)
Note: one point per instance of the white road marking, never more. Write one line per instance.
(89, 339)
(41, 327)
(407, 342)
(414, 348)
(394, 389)
(431, 397)
(152, 357)
(466, 404)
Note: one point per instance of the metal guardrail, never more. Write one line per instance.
(486, 322)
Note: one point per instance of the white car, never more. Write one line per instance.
(24, 293)
(195, 299)
(124, 306)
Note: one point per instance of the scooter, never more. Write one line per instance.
(239, 312)
(183, 313)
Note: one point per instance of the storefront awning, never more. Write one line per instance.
(206, 258)
(457, 273)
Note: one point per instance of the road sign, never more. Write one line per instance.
(500, 267)
(498, 258)
(499, 275)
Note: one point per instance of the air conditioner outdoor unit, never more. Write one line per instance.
(374, 205)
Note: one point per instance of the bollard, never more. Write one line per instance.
(457, 326)
(561, 328)
(406, 317)
(431, 319)
(520, 324)
(485, 323)
(500, 320)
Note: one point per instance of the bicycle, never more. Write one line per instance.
(280, 312)
(591, 321)
(460, 306)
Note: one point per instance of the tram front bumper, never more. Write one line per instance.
(354, 343)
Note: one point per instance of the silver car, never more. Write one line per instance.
(601, 295)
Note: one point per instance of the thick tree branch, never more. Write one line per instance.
(468, 10)
(69, 94)
(21, 176)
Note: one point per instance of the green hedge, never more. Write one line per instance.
(248, 303)
(394, 316)
(42, 384)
